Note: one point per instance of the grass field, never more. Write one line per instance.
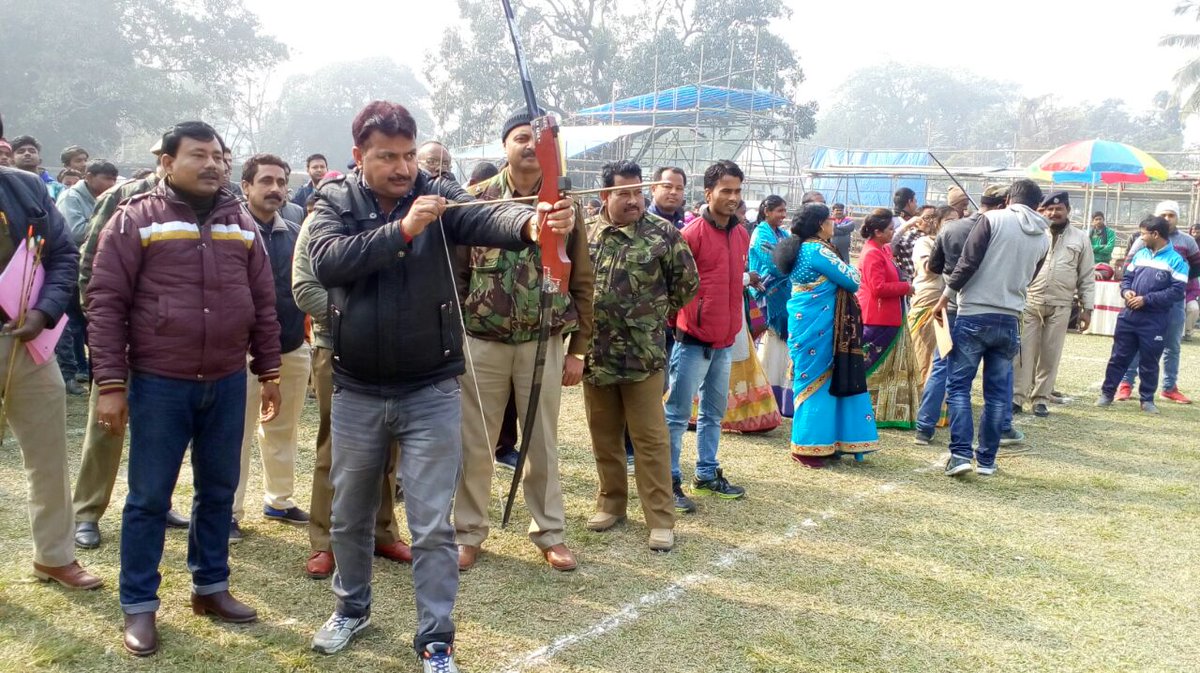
(1079, 557)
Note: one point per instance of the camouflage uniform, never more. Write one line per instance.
(644, 272)
(101, 449)
(503, 289)
(501, 296)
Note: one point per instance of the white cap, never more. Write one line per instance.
(1166, 207)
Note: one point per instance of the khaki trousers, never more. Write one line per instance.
(321, 507)
(1043, 332)
(36, 411)
(495, 369)
(637, 407)
(277, 439)
(98, 466)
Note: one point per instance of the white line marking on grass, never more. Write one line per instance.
(623, 616)
(630, 612)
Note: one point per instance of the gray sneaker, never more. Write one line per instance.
(1011, 437)
(1149, 408)
(957, 465)
(1104, 401)
(922, 438)
(438, 658)
(337, 633)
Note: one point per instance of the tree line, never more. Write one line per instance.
(109, 75)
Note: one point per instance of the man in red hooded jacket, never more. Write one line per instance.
(705, 330)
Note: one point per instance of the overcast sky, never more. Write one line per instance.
(1080, 49)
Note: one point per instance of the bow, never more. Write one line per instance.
(954, 179)
(556, 266)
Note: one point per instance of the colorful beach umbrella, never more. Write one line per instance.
(1097, 161)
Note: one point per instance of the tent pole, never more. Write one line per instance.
(1120, 190)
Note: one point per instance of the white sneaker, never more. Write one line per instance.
(438, 658)
(337, 633)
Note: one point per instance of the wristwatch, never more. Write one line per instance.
(274, 380)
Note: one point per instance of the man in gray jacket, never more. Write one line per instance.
(1002, 255)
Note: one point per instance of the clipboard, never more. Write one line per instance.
(941, 330)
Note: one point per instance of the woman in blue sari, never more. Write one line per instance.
(824, 426)
(777, 289)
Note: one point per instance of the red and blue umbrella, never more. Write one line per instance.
(1097, 161)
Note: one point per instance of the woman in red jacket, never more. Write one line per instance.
(892, 372)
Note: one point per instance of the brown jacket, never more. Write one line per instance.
(181, 299)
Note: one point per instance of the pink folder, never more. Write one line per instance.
(41, 349)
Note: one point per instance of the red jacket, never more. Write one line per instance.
(881, 292)
(178, 299)
(714, 316)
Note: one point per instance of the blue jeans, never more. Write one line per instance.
(935, 389)
(993, 339)
(165, 415)
(1170, 355)
(935, 393)
(427, 423)
(69, 351)
(705, 370)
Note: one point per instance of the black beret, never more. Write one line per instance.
(1057, 199)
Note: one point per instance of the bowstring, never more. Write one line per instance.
(462, 323)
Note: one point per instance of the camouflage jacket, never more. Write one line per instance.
(106, 205)
(644, 272)
(501, 289)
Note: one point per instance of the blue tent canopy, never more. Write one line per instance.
(866, 189)
(681, 104)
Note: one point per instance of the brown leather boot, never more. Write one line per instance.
(398, 551)
(71, 576)
(223, 606)
(141, 634)
(560, 558)
(320, 565)
(468, 555)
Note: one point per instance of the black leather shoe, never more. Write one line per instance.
(87, 535)
(1041, 410)
(177, 520)
(141, 634)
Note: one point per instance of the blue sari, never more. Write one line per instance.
(778, 286)
(823, 425)
(772, 350)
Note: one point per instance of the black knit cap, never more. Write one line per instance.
(518, 118)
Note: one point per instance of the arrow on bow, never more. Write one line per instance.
(556, 266)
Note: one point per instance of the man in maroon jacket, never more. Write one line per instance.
(705, 330)
(181, 289)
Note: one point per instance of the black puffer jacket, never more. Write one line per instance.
(392, 309)
(280, 236)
